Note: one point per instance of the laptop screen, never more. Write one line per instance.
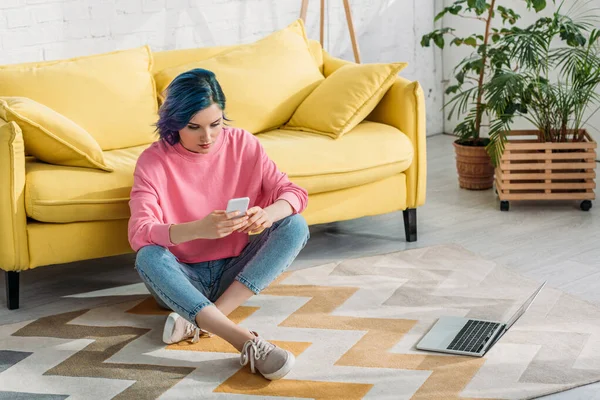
(523, 308)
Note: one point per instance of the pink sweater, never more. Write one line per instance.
(173, 185)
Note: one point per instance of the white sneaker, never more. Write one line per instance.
(271, 361)
(178, 328)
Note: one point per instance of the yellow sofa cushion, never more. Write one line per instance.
(67, 194)
(344, 98)
(173, 58)
(50, 136)
(317, 51)
(369, 153)
(264, 82)
(112, 96)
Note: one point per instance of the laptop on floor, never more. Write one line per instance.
(469, 337)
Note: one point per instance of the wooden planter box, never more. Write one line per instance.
(532, 170)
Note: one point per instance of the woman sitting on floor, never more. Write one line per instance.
(195, 258)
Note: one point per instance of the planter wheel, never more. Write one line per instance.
(585, 205)
(504, 205)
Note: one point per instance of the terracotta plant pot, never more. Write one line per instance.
(475, 170)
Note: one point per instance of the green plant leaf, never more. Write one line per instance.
(454, 10)
(572, 34)
(522, 108)
(425, 40)
(471, 41)
(440, 15)
(477, 65)
(437, 36)
(452, 89)
(439, 41)
(538, 5)
(511, 108)
(480, 6)
(460, 103)
(498, 139)
(508, 15)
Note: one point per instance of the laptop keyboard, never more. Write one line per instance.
(473, 336)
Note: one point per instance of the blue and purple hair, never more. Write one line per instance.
(190, 92)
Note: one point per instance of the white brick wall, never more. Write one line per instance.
(17, 18)
(387, 30)
(6, 4)
(50, 12)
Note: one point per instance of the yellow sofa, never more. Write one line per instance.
(53, 214)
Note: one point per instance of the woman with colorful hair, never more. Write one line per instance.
(195, 258)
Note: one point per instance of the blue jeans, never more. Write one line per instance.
(188, 288)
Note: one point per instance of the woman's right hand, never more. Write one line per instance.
(219, 224)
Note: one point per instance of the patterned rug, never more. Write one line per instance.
(352, 325)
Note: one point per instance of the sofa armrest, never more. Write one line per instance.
(14, 254)
(403, 107)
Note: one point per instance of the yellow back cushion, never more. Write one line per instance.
(112, 96)
(173, 58)
(50, 136)
(264, 82)
(344, 98)
(317, 52)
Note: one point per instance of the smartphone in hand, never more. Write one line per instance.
(240, 204)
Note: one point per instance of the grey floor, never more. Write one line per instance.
(546, 241)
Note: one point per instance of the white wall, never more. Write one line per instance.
(387, 30)
(453, 55)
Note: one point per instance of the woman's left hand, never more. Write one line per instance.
(258, 221)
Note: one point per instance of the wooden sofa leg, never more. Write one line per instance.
(410, 224)
(12, 290)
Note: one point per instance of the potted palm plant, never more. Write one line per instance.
(475, 170)
(551, 79)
